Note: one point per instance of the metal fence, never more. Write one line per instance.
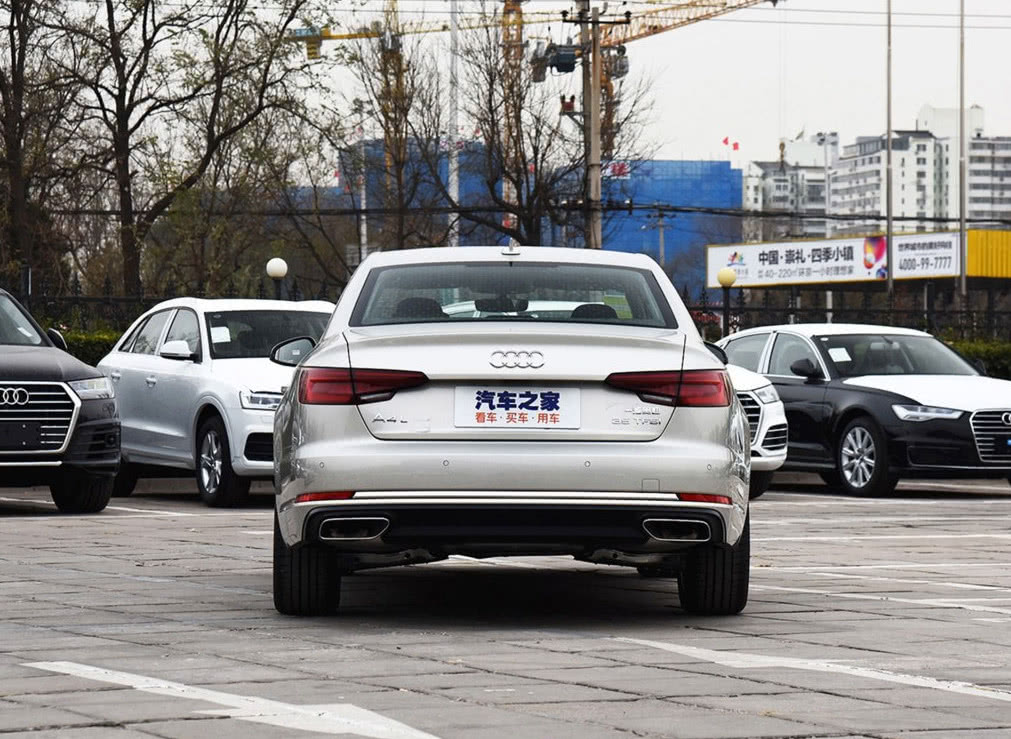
(90, 312)
(107, 311)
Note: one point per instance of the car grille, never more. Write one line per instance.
(753, 409)
(991, 436)
(775, 437)
(49, 406)
(260, 448)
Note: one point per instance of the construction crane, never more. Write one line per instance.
(313, 37)
(389, 33)
(512, 47)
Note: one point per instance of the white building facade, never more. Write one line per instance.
(813, 172)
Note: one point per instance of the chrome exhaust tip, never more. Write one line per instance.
(352, 529)
(677, 530)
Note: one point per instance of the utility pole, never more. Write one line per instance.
(590, 45)
(363, 201)
(659, 224)
(454, 123)
(963, 158)
(889, 256)
(595, 226)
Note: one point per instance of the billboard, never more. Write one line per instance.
(855, 259)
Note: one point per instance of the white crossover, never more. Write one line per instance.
(766, 423)
(197, 390)
(570, 408)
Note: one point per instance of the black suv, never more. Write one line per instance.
(59, 425)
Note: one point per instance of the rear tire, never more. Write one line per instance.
(126, 480)
(714, 578)
(217, 482)
(760, 482)
(78, 492)
(862, 460)
(307, 579)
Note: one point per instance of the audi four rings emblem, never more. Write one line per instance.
(14, 396)
(1006, 418)
(517, 360)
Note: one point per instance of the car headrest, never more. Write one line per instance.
(418, 308)
(594, 310)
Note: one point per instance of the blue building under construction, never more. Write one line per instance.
(697, 184)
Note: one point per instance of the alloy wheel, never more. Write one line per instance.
(211, 459)
(858, 457)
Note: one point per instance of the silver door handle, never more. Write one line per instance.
(115, 375)
(151, 381)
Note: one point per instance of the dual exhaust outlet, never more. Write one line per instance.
(677, 530)
(364, 529)
(353, 529)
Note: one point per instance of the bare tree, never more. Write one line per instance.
(527, 155)
(36, 132)
(162, 72)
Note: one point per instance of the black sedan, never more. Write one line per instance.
(59, 425)
(869, 405)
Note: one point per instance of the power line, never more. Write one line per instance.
(573, 206)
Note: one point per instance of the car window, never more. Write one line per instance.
(15, 328)
(185, 328)
(127, 344)
(787, 350)
(853, 355)
(244, 334)
(147, 338)
(504, 291)
(746, 351)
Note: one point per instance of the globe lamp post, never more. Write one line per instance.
(726, 277)
(277, 268)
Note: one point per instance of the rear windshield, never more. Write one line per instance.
(15, 328)
(245, 334)
(493, 291)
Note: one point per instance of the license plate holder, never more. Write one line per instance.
(516, 407)
(18, 435)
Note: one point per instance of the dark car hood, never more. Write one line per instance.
(42, 364)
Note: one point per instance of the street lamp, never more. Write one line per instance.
(726, 277)
(277, 268)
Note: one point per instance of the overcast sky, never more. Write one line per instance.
(762, 74)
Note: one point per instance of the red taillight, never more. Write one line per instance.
(331, 386)
(704, 498)
(316, 497)
(690, 388)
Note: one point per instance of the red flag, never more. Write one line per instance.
(726, 141)
(737, 145)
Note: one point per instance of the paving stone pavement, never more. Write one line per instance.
(884, 618)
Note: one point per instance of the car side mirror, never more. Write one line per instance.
(805, 368)
(57, 338)
(718, 352)
(290, 353)
(980, 366)
(178, 350)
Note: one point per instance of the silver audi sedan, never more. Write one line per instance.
(608, 432)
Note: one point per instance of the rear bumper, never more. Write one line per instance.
(368, 532)
(508, 522)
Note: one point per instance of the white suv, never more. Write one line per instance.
(767, 423)
(197, 390)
